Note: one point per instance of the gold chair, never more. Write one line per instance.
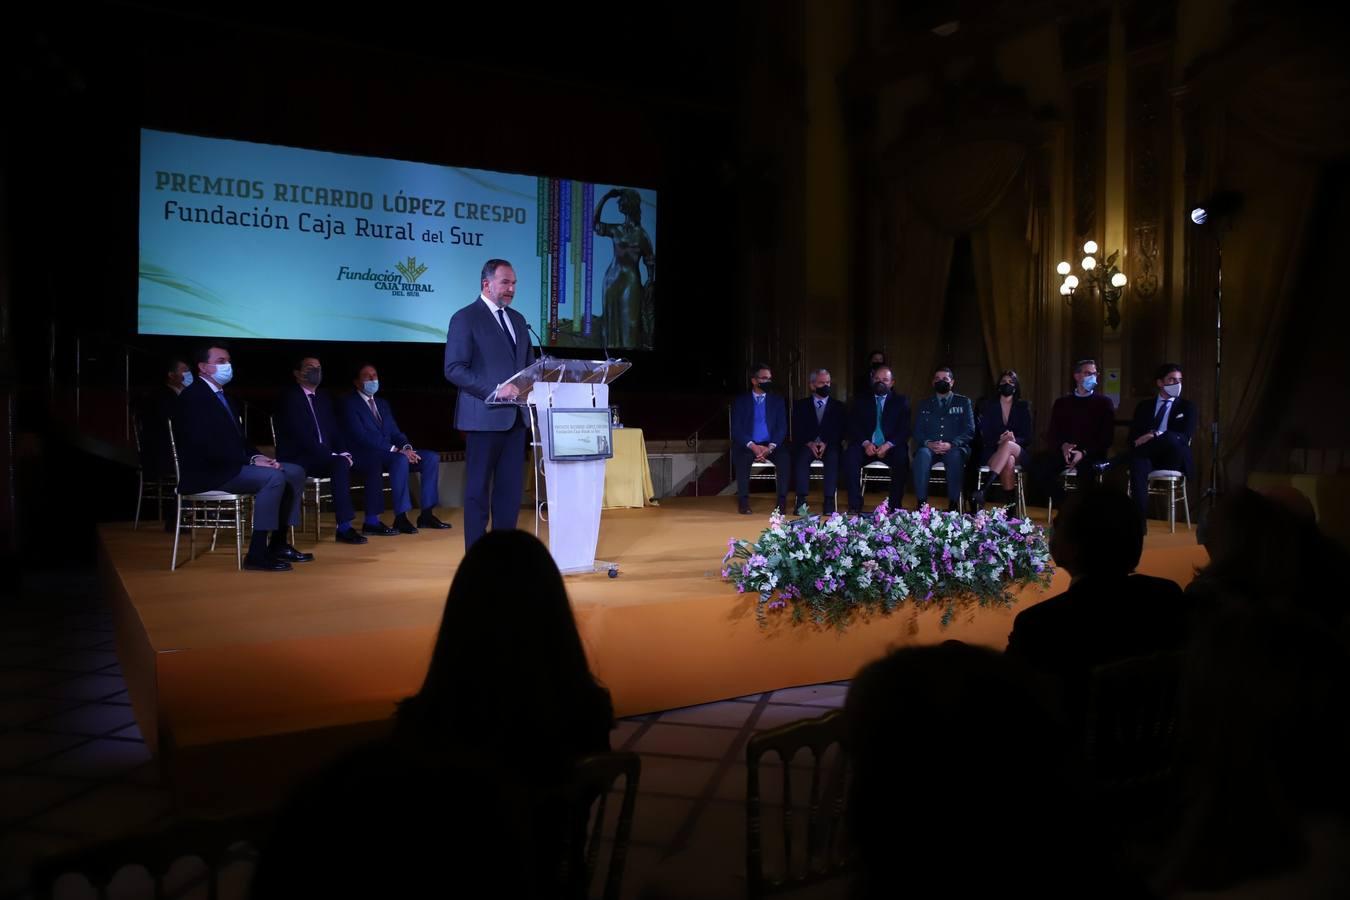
(316, 491)
(874, 473)
(816, 472)
(158, 489)
(937, 477)
(985, 477)
(1132, 721)
(759, 471)
(226, 848)
(1164, 483)
(210, 506)
(1069, 481)
(594, 781)
(824, 854)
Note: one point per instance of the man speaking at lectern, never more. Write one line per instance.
(488, 343)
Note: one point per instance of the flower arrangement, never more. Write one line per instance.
(829, 567)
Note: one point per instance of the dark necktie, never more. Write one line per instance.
(1161, 414)
(501, 317)
(225, 402)
(315, 414)
(375, 410)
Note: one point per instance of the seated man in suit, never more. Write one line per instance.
(1107, 614)
(878, 431)
(308, 435)
(758, 434)
(379, 446)
(818, 432)
(1160, 436)
(156, 409)
(943, 430)
(214, 455)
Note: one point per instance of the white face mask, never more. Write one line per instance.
(1089, 382)
(223, 374)
(1172, 390)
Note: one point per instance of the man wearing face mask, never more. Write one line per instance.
(875, 360)
(486, 344)
(308, 435)
(380, 446)
(817, 431)
(1160, 435)
(758, 433)
(1082, 426)
(214, 455)
(878, 431)
(943, 430)
(154, 413)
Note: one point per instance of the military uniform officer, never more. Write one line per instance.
(943, 430)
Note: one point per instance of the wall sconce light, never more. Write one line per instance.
(1099, 276)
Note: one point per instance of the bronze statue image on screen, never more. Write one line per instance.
(629, 311)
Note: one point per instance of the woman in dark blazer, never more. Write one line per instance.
(1005, 429)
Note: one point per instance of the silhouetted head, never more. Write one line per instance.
(1265, 550)
(932, 733)
(1098, 532)
(508, 656)
(1265, 738)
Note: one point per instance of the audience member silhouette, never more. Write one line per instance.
(964, 784)
(1266, 549)
(1264, 739)
(1107, 614)
(394, 820)
(509, 680)
(480, 755)
(508, 675)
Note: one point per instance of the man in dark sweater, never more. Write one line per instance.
(1082, 425)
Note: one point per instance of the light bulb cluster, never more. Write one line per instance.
(1101, 273)
(1089, 265)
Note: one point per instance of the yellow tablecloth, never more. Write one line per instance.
(628, 476)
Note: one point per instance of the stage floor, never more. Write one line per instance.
(228, 668)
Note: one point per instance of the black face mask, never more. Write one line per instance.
(1007, 390)
(312, 377)
(942, 386)
(877, 365)
(823, 391)
(766, 385)
(879, 388)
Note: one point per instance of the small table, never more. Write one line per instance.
(628, 476)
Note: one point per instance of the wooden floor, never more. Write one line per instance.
(248, 663)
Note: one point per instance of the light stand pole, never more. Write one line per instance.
(1212, 492)
(1214, 214)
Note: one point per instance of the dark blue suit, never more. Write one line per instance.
(743, 433)
(1169, 450)
(953, 423)
(479, 356)
(214, 456)
(309, 435)
(375, 439)
(829, 430)
(862, 424)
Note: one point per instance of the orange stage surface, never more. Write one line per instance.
(261, 671)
